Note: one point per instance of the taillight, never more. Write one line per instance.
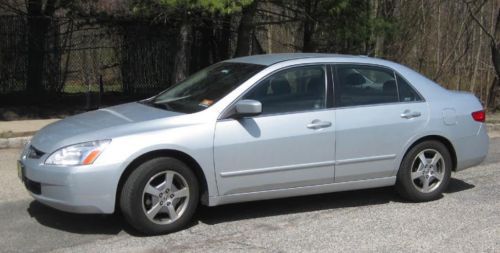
(479, 116)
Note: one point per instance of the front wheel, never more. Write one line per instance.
(425, 172)
(160, 196)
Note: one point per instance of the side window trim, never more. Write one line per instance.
(330, 91)
(397, 85)
(227, 111)
(336, 81)
(336, 84)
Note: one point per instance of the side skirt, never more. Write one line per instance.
(301, 191)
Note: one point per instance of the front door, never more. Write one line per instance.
(291, 144)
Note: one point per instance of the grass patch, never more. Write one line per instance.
(72, 88)
(7, 134)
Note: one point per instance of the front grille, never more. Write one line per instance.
(34, 153)
(32, 186)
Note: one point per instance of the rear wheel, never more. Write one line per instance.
(424, 172)
(160, 196)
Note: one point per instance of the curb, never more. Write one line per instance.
(493, 127)
(15, 142)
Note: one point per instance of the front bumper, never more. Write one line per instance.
(77, 189)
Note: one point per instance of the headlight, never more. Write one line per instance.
(26, 147)
(78, 154)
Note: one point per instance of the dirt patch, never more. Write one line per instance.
(493, 118)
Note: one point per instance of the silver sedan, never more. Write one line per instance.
(258, 127)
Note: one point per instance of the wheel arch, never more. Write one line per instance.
(445, 141)
(190, 161)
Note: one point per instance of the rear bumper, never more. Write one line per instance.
(472, 150)
(79, 189)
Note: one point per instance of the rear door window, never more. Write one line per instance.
(406, 92)
(364, 85)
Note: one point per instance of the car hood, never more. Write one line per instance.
(100, 124)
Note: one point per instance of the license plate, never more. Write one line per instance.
(20, 172)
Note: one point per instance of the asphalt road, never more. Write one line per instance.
(466, 219)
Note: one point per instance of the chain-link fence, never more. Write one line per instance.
(146, 57)
(81, 56)
(13, 58)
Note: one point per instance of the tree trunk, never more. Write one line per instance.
(224, 40)
(39, 21)
(207, 47)
(245, 28)
(37, 29)
(490, 102)
(307, 38)
(477, 60)
(309, 25)
(495, 58)
(438, 47)
(256, 46)
(375, 43)
(182, 56)
(379, 45)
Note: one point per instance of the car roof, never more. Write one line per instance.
(428, 88)
(270, 59)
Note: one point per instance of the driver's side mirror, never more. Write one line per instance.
(247, 107)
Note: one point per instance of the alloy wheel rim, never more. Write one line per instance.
(427, 170)
(165, 197)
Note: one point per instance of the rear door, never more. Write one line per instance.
(377, 113)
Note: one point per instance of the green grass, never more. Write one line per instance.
(7, 134)
(81, 88)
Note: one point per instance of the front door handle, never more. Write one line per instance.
(407, 114)
(317, 124)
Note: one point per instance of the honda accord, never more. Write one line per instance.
(254, 128)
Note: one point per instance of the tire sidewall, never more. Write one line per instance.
(404, 183)
(144, 173)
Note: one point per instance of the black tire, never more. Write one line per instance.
(131, 199)
(408, 188)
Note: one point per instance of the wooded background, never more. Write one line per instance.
(59, 47)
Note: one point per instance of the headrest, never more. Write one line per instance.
(389, 86)
(315, 84)
(280, 86)
(354, 79)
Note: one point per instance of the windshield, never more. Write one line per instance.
(206, 87)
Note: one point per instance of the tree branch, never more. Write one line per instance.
(9, 7)
(462, 32)
(275, 22)
(279, 15)
(478, 22)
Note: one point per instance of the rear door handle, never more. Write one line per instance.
(317, 124)
(407, 114)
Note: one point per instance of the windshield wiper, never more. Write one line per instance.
(155, 105)
(169, 100)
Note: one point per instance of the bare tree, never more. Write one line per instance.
(182, 56)
(494, 47)
(245, 29)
